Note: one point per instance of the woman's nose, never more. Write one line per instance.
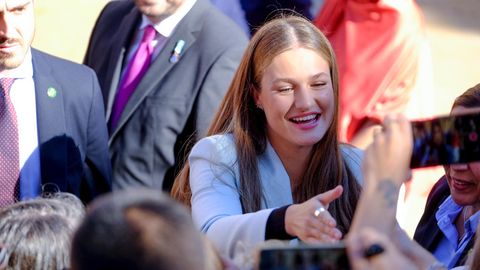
(303, 99)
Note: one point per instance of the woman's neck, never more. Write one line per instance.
(465, 214)
(470, 210)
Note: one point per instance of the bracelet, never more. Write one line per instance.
(437, 266)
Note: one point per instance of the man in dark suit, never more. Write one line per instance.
(190, 62)
(52, 131)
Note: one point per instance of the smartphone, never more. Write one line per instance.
(446, 140)
(305, 257)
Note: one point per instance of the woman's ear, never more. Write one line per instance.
(255, 92)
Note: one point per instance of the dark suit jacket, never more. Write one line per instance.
(257, 12)
(71, 127)
(427, 234)
(174, 101)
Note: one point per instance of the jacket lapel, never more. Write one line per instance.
(433, 235)
(151, 81)
(120, 44)
(50, 121)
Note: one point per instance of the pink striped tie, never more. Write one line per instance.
(136, 68)
(9, 149)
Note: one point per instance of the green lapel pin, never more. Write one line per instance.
(51, 92)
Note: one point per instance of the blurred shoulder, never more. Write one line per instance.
(113, 13)
(351, 153)
(218, 142)
(216, 26)
(219, 147)
(353, 157)
(118, 7)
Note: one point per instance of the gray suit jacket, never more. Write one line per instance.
(174, 102)
(71, 127)
(214, 181)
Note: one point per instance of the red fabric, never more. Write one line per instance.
(377, 44)
(9, 151)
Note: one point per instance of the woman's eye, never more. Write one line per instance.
(318, 84)
(285, 89)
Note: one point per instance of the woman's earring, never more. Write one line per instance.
(259, 107)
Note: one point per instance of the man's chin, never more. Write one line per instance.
(10, 62)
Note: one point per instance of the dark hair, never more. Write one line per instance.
(238, 115)
(36, 233)
(137, 229)
(469, 99)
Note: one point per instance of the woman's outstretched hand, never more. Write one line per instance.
(311, 222)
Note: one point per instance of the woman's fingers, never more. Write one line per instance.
(327, 197)
(311, 220)
(323, 228)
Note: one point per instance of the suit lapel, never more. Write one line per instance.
(50, 118)
(120, 44)
(151, 81)
(433, 235)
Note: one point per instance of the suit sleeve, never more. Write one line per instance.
(97, 166)
(216, 207)
(96, 33)
(216, 84)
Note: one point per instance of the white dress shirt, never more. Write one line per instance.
(22, 95)
(164, 30)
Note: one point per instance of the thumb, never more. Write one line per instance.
(327, 197)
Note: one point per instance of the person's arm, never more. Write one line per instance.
(386, 167)
(305, 220)
(216, 206)
(389, 258)
(217, 210)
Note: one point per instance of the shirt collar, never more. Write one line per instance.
(166, 26)
(449, 210)
(25, 70)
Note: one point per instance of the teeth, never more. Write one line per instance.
(304, 118)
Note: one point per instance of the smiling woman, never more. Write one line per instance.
(272, 158)
(298, 103)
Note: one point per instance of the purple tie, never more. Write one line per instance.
(9, 151)
(136, 68)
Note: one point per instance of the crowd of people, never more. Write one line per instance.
(182, 143)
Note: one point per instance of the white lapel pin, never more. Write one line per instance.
(177, 51)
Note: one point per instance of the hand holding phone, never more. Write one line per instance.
(446, 140)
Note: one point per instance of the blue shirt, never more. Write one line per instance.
(450, 249)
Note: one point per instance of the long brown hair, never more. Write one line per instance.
(238, 115)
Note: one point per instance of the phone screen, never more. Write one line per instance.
(446, 140)
(311, 257)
